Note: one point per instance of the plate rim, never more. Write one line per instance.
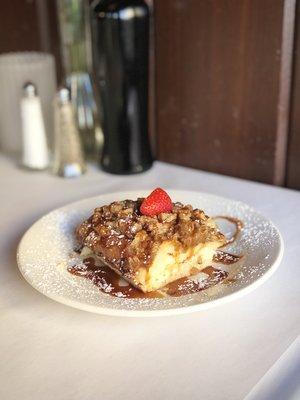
(101, 310)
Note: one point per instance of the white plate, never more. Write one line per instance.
(45, 249)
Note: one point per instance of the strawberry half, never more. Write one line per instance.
(157, 202)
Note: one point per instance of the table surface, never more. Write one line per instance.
(50, 351)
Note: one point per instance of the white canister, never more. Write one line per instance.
(15, 70)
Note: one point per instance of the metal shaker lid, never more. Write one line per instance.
(29, 89)
(63, 95)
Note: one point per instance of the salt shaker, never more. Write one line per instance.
(68, 154)
(35, 150)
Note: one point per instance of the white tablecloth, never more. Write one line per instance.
(49, 351)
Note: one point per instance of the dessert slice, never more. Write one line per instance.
(172, 241)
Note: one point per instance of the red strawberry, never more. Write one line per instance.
(157, 202)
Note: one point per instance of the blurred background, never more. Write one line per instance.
(224, 80)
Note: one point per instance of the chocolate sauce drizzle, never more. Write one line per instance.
(222, 257)
(238, 227)
(111, 283)
(107, 280)
(188, 286)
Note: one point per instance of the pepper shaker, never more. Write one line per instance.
(120, 43)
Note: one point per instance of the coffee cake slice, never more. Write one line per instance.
(151, 251)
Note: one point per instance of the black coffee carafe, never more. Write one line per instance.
(120, 43)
